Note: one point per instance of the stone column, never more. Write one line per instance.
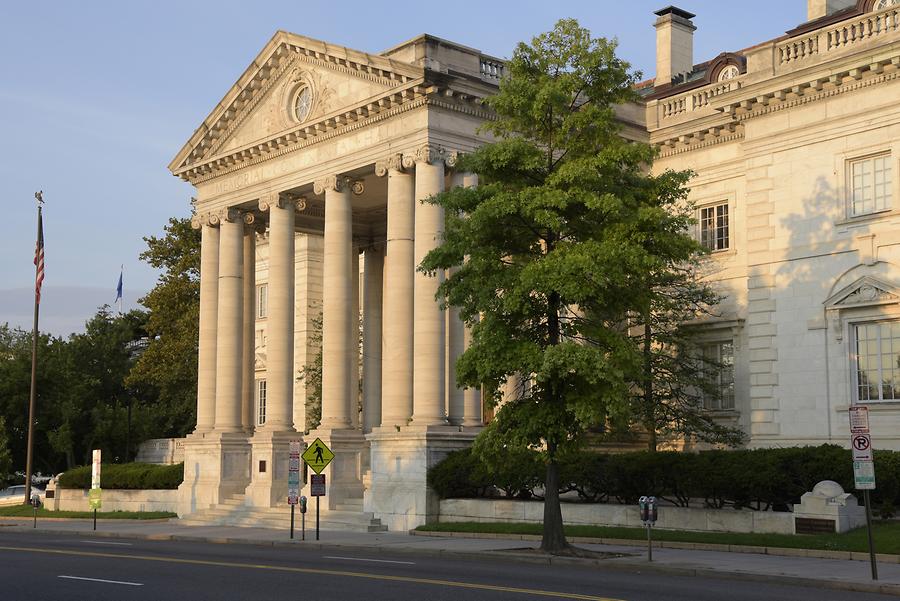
(280, 346)
(473, 414)
(354, 348)
(455, 345)
(209, 307)
(337, 325)
(248, 359)
(373, 273)
(229, 348)
(399, 270)
(429, 332)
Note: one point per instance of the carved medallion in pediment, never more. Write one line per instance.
(863, 292)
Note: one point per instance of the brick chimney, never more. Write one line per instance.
(674, 43)
(820, 8)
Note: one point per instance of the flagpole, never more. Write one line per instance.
(29, 455)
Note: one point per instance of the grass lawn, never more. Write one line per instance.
(26, 511)
(886, 534)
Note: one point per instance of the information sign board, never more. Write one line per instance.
(94, 498)
(864, 475)
(294, 472)
(862, 447)
(95, 469)
(859, 419)
(317, 485)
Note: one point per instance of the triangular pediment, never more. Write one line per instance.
(863, 292)
(261, 105)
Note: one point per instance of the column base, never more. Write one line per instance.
(344, 475)
(269, 467)
(216, 466)
(398, 493)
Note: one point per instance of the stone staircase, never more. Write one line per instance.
(347, 516)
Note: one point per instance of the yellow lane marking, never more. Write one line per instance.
(258, 566)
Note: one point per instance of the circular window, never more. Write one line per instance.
(729, 72)
(302, 103)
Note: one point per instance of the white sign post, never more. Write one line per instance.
(293, 478)
(94, 494)
(864, 468)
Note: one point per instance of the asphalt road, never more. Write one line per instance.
(37, 566)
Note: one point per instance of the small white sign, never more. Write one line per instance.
(862, 447)
(864, 475)
(859, 419)
(95, 469)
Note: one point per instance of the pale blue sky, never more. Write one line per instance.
(97, 97)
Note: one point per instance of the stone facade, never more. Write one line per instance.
(309, 176)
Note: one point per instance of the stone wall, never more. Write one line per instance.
(68, 499)
(163, 451)
(599, 514)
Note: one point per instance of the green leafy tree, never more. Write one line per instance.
(668, 398)
(311, 373)
(554, 248)
(5, 455)
(165, 375)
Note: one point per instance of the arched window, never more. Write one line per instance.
(729, 72)
(883, 4)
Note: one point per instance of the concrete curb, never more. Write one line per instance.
(776, 551)
(621, 565)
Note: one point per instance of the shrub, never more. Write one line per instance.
(126, 476)
(762, 479)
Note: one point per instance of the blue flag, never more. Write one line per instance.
(119, 291)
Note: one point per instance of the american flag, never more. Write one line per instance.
(39, 259)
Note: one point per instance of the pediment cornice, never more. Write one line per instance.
(866, 291)
(284, 51)
(413, 95)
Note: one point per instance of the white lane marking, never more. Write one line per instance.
(103, 542)
(409, 563)
(102, 580)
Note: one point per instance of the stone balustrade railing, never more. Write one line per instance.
(697, 99)
(491, 68)
(838, 36)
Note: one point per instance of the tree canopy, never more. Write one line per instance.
(554, 247)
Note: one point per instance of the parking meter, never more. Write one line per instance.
(35, 500)
(644, 505)
(302, 504)
(652, 512)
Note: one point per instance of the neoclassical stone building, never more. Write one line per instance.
(309, 174)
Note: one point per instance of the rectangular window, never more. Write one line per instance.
(719, 363)
(261, 402)
(870, 185)
(877, 362)
(714, 233)
(262, 301)
(261, 340)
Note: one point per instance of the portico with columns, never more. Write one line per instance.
(317, 163)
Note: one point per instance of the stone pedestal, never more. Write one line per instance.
(344, 475)
(216, 466)
(827, 509)
(397, 492)
(269, 468)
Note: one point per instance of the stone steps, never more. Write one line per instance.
(232, 512)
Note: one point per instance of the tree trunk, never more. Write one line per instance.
(649, 409)
(554, 540)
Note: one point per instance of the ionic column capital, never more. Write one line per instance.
(211, 219)
(281, 200)
(338, 183)
(393, 162)
(430, 153)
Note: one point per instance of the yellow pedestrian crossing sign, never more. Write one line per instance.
(317, 456)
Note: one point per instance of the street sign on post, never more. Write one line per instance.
(293, 478)
(317, 456)
(94, 496)
(864, 468)
(317, 490)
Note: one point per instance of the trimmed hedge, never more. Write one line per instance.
(126, 476)
(763, 479)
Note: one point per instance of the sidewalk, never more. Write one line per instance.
(814, 572)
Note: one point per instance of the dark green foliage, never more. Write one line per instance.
(126, 476)
(5, 456)
(762, 479)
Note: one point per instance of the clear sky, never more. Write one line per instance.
(96, 97)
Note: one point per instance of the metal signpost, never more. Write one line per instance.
(864, 468)
(648, 517)
(94, 495)
(317, 456)
(293, 478)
